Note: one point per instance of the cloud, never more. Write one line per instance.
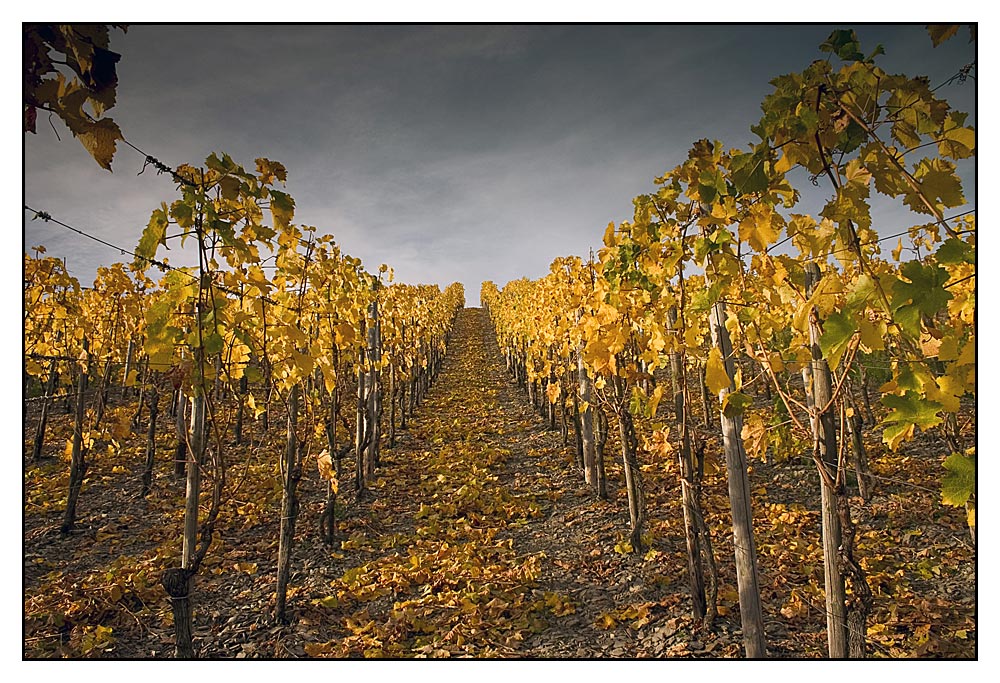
(449, 152)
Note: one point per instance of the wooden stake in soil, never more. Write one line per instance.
(194, 463)
(36, 451)
(152, 399)
(633, 475)
(587, 426)
(78, 462)
(292, 471)
(825, 437)
(751, 615)
(180, 428)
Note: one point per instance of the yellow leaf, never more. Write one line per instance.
(325, 464)
(303, 362)
(761, 227)
(344, 335)
(872, 334)
(777, 362)
(609, 234)
(606, 622)
(784, 164)
(552, 391)
(597, 355)
(270, 171)
(654, 400)
(897, 434)
(252, 404)
(692, 336)
(968, 355)
(122, 427)
(716, 377)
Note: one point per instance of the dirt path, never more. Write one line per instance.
(577, 532)
(582, 595)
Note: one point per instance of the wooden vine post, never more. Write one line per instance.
(152, 398)
(751, 615)
(177, 582)
(78, 462)
(50, 386)
(360, 430)
(587, 424)
(180, 429)
(703, 606)
(820, 386)
(375, 397)
(291, 470)
(291, 464)
(630, 462)
(193, 491)
(368, 404)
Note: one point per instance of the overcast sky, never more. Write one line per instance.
(463, 153)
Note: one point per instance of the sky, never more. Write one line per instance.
(451, 153)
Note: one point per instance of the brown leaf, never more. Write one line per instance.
(99, 138)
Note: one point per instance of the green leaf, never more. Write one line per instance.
(704, 299)
(183, 213)
(938, 183)
(152, 237)
(960, 482)
(838, 329)
(954, 250)
(861, 291)
(912, 409)
(329, 601)
(224, 165)
(748, 172)
(924, 293)
(735, 404)
(213, 344)
(282, 208)
(702, 247)
(844, 43)
(908, 318)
